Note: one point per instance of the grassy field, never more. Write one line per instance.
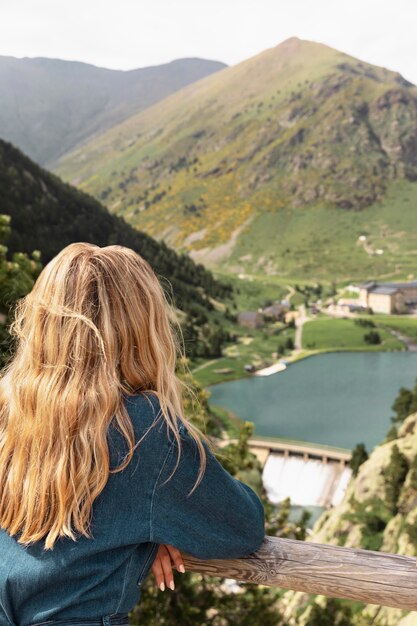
(405, 325)
(253, 346)
(254, 290)
(322, 243)
(344, 334)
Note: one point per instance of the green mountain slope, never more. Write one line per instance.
(274, 165)
(48, 106)
(47, 214)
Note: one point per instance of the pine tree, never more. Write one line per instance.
(395, 474)
(359, 456)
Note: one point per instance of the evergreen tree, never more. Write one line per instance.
(395, 474)
(402, 405)
(359, 456)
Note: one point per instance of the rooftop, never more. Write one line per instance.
(387, 288)
(388, 291)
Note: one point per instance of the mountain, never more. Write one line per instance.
(276, 165)
(48, 105)
(47, 214)
(378, 512)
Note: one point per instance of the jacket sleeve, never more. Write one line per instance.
(222, 518)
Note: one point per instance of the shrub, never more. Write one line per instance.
(373, 337)
(372, 515)
(364, 323)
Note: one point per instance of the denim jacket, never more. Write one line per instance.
(99, 578)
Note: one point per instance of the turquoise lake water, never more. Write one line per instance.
(338, 399)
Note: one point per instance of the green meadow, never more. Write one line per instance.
(344, 334)
(403, 324)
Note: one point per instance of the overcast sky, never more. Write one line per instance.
(125, 34)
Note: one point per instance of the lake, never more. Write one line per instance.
(338, 399)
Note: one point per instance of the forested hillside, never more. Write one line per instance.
(47, 214)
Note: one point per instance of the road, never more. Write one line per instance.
(299, 323)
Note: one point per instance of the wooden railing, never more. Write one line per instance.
(365, 575)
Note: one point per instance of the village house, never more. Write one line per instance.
(276, 310)
(344, 307)
(250, 319)
(389, 297)
(291, 315)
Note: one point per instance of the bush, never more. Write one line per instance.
(364, 323)
(373, 337)
(372, 515)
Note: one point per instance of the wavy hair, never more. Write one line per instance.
(95, 327)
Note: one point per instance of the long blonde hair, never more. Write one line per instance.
(96, 326)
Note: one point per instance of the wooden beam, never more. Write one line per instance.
(365, 575)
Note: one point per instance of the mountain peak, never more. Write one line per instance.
(291, 40)
(296, 42)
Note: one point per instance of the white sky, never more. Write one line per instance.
(125, 34)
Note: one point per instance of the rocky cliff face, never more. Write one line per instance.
(363, 519)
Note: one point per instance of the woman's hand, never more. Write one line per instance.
(161, 567)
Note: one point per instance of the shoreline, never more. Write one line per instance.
(271, 369)
(301, 357)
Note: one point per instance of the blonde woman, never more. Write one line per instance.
(101, 475)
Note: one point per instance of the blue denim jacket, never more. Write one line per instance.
(100, 578)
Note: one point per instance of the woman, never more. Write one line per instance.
(101, 475)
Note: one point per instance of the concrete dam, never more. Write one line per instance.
(310, 474)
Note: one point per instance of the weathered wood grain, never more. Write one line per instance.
(366, 575)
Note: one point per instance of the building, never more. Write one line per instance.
(250, 319)
(291, 315)
(275, 310)
(389, 297)
(345, 307)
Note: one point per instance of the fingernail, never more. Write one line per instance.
(162, 586)
(171, 584)
(181, 568)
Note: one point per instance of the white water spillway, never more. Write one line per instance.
(307, 481)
